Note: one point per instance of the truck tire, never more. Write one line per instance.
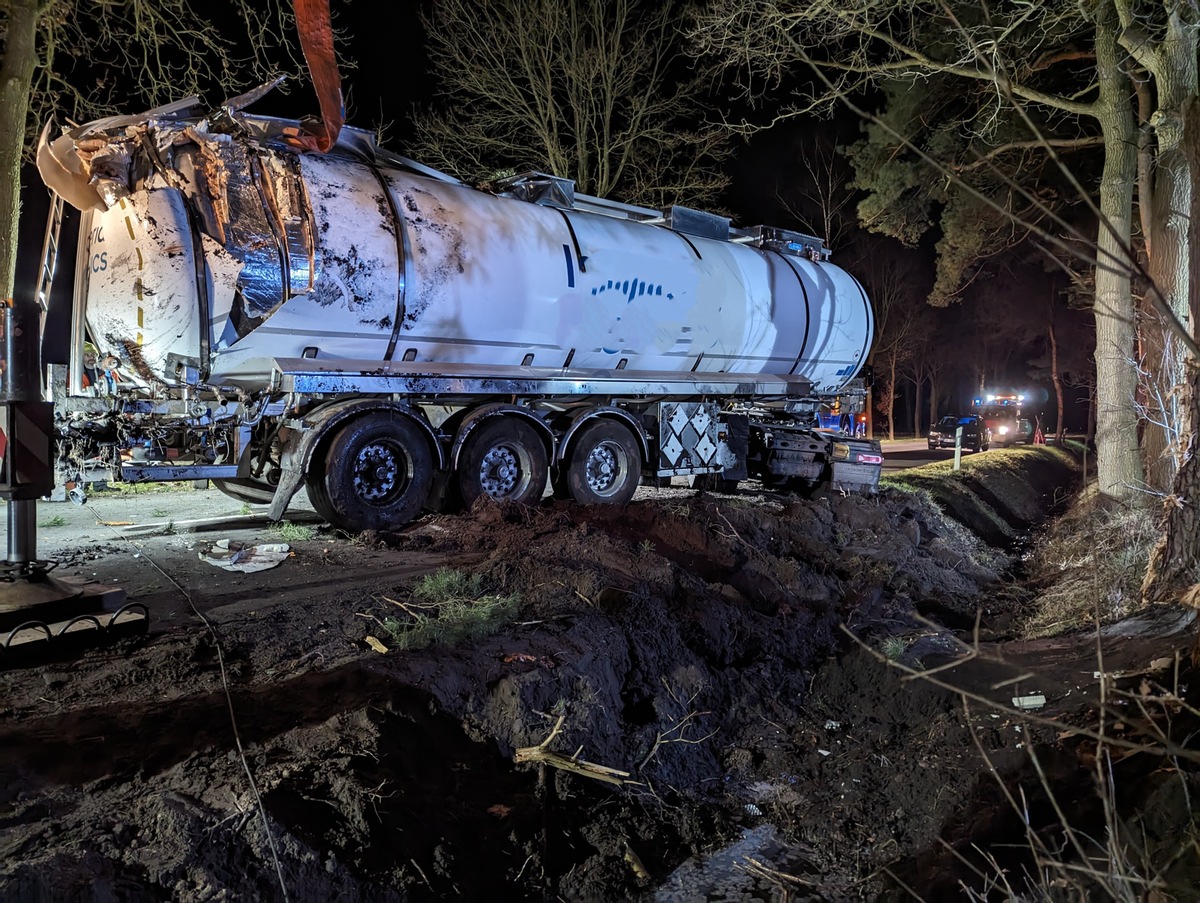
(505, 460)
(375, 474)
(605, 465)
(251, 492)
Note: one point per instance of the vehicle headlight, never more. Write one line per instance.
(1003, 430)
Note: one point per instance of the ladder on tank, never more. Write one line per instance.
(45, 279)
(50, 252)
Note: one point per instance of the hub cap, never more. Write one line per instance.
(500, 472)
(379, 470)
(604, 466)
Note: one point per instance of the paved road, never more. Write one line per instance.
(904, 453)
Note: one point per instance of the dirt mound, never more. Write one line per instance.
(721, 656)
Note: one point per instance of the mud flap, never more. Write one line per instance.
(733, 446)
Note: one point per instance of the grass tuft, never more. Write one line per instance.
(1091, 564)
(290, 532)
(56, 521)
(450, 607)
(894, 647)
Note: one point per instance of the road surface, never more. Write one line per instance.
(900, 454)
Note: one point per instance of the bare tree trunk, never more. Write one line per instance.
(916, 406)
(869, 410)
(16, 77)
(891, 412)
(1056, 378)
(1171, 60)
(933, 401)
(1119, 465)
(1173, 571)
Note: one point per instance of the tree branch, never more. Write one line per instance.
(1064, 143)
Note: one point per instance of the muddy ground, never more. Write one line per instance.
(728, 661)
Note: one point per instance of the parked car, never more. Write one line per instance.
(975, 434)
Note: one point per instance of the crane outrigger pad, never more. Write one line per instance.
(45, 617)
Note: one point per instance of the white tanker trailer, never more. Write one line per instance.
(389, 337)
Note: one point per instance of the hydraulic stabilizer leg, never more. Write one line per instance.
(22, 532)
(33, 604)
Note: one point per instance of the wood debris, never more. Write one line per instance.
(541, 753)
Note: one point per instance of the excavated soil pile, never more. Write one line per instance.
(715, 665)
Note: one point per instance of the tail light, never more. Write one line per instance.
(869, 459)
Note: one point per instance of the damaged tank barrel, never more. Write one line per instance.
(267, 300)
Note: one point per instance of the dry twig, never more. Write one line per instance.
(541, 753)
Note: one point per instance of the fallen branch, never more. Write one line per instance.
(760, 870)
(541, 753)
(679, 730)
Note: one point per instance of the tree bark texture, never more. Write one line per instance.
(16, 79)
(1173, 571)
(1173, 65)
(1119, 465)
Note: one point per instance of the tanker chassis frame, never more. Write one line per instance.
(376, 443)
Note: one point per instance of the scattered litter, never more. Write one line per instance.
(233, 556)
(374, 643)
(523, 657)
(832, 725)
(752, 809)
(1158, 664)
(1034, 701)
(824, 752)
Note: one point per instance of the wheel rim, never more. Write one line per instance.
(605, 468)
(380, 472)
(504, 472)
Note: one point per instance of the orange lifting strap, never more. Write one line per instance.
(315, 26)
